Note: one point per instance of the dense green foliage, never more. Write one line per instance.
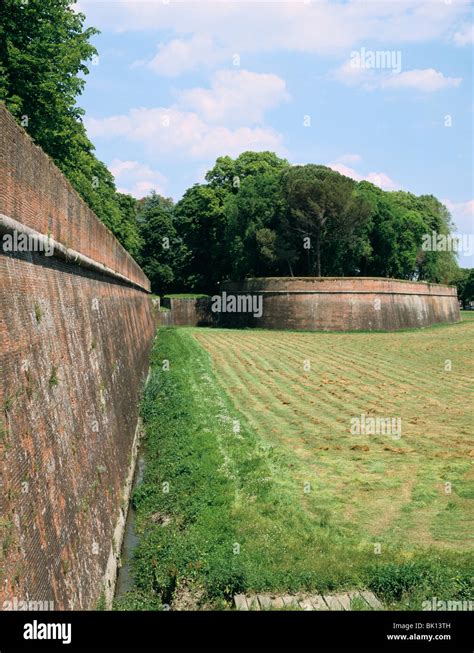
(161, 253)
(322, 208)
(259, 216)
(43, 50)
(465, 285)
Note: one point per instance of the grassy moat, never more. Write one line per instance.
(254, 482)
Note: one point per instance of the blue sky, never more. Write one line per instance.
(378, 90)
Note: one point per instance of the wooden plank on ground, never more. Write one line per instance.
(265, 601)
(318, 602)
(344, 599)
(371, 600)
(241, 602)
(338, 601)
(290, 601)
(333, 602)
(355, 594)
(305, 603)
(253, 603)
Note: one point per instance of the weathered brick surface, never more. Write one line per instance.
(344, 304)
(187, 312)
(33, 191)
(74, 349)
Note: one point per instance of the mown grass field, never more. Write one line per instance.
(269, 490)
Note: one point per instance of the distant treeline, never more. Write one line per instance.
(255, 216)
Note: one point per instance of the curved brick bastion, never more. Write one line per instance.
(342, 303)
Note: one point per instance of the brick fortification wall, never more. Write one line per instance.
(186, 312)
(344, 304)
(74, 344)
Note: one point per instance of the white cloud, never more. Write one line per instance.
(344, 170)
(236, 97)
(380, 179)
(182, 55)
(463, 215)
(137, 179)
(427, 80)
(315, 27)
(176, 133)
(465, 36)
(204, 123)
(351, 75)
(354, 75)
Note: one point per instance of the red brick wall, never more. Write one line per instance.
(187, 312)
(33, 191)
(74, 348)
(345, 304)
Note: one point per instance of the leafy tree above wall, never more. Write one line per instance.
(43, 50)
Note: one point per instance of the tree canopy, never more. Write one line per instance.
(44, 48)
(259, 216)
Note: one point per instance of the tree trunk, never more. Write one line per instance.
(318, 256)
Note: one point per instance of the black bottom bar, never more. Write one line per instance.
(136, 631)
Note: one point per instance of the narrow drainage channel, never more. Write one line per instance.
(130, 539)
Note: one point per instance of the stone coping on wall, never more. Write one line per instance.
(337, 285)
(36, 194)
(337, 303)
(10, 226)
